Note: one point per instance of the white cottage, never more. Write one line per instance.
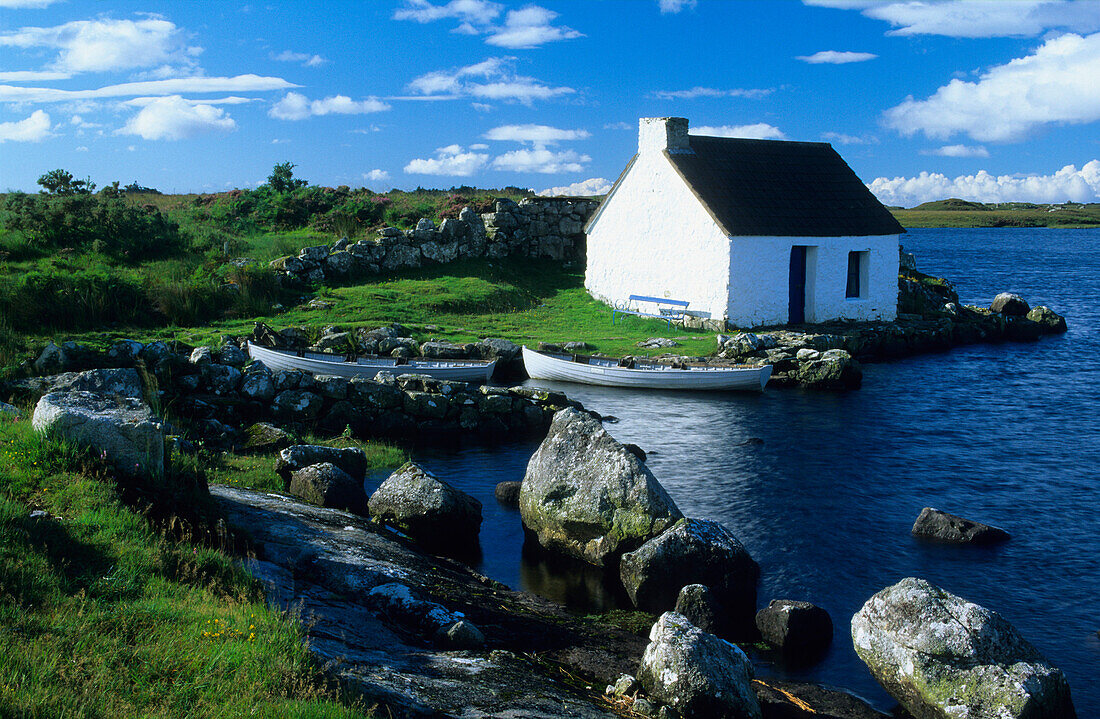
(756, 232)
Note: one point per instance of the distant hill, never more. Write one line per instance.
(953, 203)
(954, 212)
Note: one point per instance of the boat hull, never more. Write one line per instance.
(318, 364)
(606, 374)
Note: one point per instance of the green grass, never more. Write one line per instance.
(947, 213)
(103, 616)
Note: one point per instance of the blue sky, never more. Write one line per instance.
(992, 101)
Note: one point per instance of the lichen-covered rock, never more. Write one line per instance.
(300, 405)
(943, 657)
(694, 551)
(9, 412)
(1048, 319)
(123, 428)
(1009, 303)
(800, 629)
(943, 527)
(123, 382)
(507, 493)
(326, 485)
(587, 496)
(443, 350)
(697, 604)
(232, 355)
(257, 383)
(833, 369)
(427, 508)
(696, 673)
(264, 437)
(352, 460)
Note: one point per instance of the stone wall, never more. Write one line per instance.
(537, 227)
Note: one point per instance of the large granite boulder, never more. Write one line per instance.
(694, 551)
(427, 509)
(352, 460)
(108, 382)
(943, 527)
(1009, 303)
(801, 630)
(695, 673)
(943, 657)
(123, 428)
(326, 485)
(587, 496)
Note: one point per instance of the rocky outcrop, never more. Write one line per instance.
(694, 551)
(351, 460)
(326, 485)
(122, 382)
(943, 527)
(123, 429)
(551, 228)
(587, 496)
(943, 657)
(695, 673)
(830, 370)
(427, 509)
(1050, 321)
(1009, 304)
(800, 630)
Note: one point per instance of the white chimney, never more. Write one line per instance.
(657, 134)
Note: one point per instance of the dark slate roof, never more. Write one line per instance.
(776, 188)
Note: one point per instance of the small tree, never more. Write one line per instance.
(282, 178)
(61, 182)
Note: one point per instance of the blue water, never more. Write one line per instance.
(1007, 434)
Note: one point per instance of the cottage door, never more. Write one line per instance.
(797, 314)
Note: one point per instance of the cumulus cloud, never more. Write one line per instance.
(674, 6)
(538, 134)
(585, 188)
(451, 160)
(756, 131)
(296, 106)
(1056, 84)
(33, 129)
(959, 151)
(105, 45)
(981, 18)
(711, 92)
(1069, 183)
(491, 79)
(528, 27)
(836, 57)
(376, 176)
(304, 58)
(174, 118)
(541, 160)
(176, 86)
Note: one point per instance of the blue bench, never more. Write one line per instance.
(664, 309)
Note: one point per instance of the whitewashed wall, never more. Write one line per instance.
(653, 237)
(759, 271)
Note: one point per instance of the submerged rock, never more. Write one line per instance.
(587, 496)
(944, 527)
(696, 673)
(943, 657)
(802, 631)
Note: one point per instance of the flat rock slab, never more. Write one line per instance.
(940, 526)
(328, 561)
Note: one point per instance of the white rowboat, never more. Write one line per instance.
(643, 375)
(329, 364)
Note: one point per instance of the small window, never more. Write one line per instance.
(857, 274)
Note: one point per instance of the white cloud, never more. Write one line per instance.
(304, 58)
(959, 151)
(618, 126)
(541, 160)
(450, 160)
(82, 148)
(177, 86)
(173, 118)
(538, 134)
(479, 146)
(756, 131)
(33, 129)
(33, 76)
(498, 81)
(841, 139)
(1069, 183)
(470, 12)
(26, 4)
(376, 176)
(1057, 84)
(711, 92)
(836, 57)
(296, 106)
(530, 27)
(230, 100)
(585, 188)
(977, 18)
(107, 45)
(674, 6)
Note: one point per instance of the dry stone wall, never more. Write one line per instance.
(545, 228)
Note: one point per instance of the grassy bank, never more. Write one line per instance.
(962, 213)
(114, 611)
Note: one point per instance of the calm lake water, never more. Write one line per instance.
(1006, 434)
